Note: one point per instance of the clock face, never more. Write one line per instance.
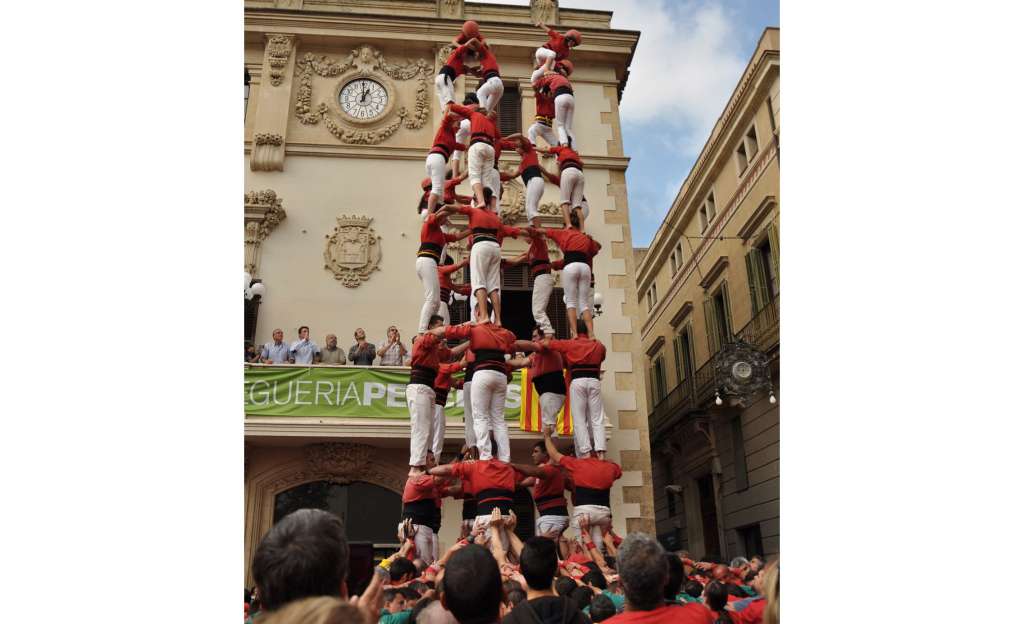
(363, 98)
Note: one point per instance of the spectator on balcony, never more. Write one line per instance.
(275, 352)
(392, 352)
(303, 350)
(331, 354)
(362, 352)
(252, 355)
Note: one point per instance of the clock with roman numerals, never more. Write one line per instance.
(363, 99)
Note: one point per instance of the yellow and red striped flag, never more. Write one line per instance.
(529, 413)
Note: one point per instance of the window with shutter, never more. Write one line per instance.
(659, 367)
(711, 325)
(510, 117)
(677, 350)
(718, 318)
(760, 293)
(686, 349)
(773, 241)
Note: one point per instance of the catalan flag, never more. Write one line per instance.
(529, 413)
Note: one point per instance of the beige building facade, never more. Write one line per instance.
(331, 230)
(708, 287)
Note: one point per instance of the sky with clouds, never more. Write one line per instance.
(689, 58)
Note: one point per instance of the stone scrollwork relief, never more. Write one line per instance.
(353, 250)
(267, 152)
(279, 50)
(443, 53)
(263, 213)
(453, 9)
(550, 208)
(342, 462)
(544, 11)
(364, 61)
(513, 202)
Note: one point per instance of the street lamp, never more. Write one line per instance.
(598, 302)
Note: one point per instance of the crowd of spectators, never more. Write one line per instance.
(303, 351)
(301, 566)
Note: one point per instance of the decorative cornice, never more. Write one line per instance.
(263, 213)
(279, 50)
(680, 316)
(716, 269)
(266, 138)
(267, 153)
(749, 228)
(658, 344)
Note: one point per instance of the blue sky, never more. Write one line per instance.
(689, 58)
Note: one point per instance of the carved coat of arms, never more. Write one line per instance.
(353, 250)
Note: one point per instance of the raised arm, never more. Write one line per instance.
(550, 177)
(526, 345)
(529, 470)
(444, 470)
(550, 447)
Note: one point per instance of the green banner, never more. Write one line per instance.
(344, 392)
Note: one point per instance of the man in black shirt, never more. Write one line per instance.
(538, 563)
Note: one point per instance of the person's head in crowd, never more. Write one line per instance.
(595, 579)
(472, 586)
(581, 597)
(250, 350)
(402, 570)
(564, 585)
(601, 608)
(419, 586)
(720, 572)
(581, 327)
(515, 597)
(770, 591)
(539, 454)
(675, 577)
(615, 586)
(643, 571)
(436, 320)
(411, 596)
(360, 335)
(303, 555)
(316, 610)
(431, 611)
(394, 600)
(331, 341)
(716, 596)
(278, 336)
(304, 332)
(738, 562)
(509, 586)
(538, 562)
(471, 98)
(693, 588)
(756, 563)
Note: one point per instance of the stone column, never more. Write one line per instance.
(270, 124)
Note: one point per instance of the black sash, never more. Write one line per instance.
(491, 498)
(585, 371)
(422, 375)
(590, 496)
(449, 71)
(562, 90)
(421, 511)
(429, 250)
(550, 382)
(575, 256)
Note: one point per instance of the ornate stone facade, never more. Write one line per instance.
(279, 50)
(353, 250)
(263, 213)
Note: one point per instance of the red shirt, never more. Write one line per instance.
(450, 196)
(488, 62)
(591, 472)
(552, 83)
(484, 474)
(552, 484)
(545, 361)
(692, 613)
(580, 351)
(418, 488)
(545, 105)
(443, 381)
(753, 613)
(456, 59)
(444, 139)
(425, 352)
(571, 240)
(482, 219)
(484, 337)
(556, 42)
(567, 157)
(529, 159)
(444, 278)
(431, 232)
(481, 127)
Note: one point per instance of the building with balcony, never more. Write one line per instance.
(708, 286)
(331, 183)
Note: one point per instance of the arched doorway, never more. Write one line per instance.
(370, 514)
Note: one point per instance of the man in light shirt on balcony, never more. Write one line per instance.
(392, 352)
(303, 350)
(275, 352)
(331, 354)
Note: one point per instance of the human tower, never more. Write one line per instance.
(487, 479)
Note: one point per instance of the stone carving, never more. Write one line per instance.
(452, 9)
(263, 213)
(353, 250)
(550, 208)
(342, 462)
(279, 50)
(513, 202)
(267, 152)
(544, 11)
(363, 61)
(443, 53)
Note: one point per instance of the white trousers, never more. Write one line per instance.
(489, 390)
(435, 166)
(445, 89)
(492, 180)
(543, 54)
(551, 524)
(572, 187)
(445, 313)
(565, 107)
(436, 444)
(461, 136)
(550, 403)
(576, 282)
(587, 415)
(543, 285)
(485, 267)
(534, 191)
(467, 408)
(599, 516)
(480, 162)
(485, 521)
(426, 542)
(426, 270)
(544, 131)
(490, 93)
(420, 399)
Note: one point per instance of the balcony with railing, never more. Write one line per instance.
(697, 391)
